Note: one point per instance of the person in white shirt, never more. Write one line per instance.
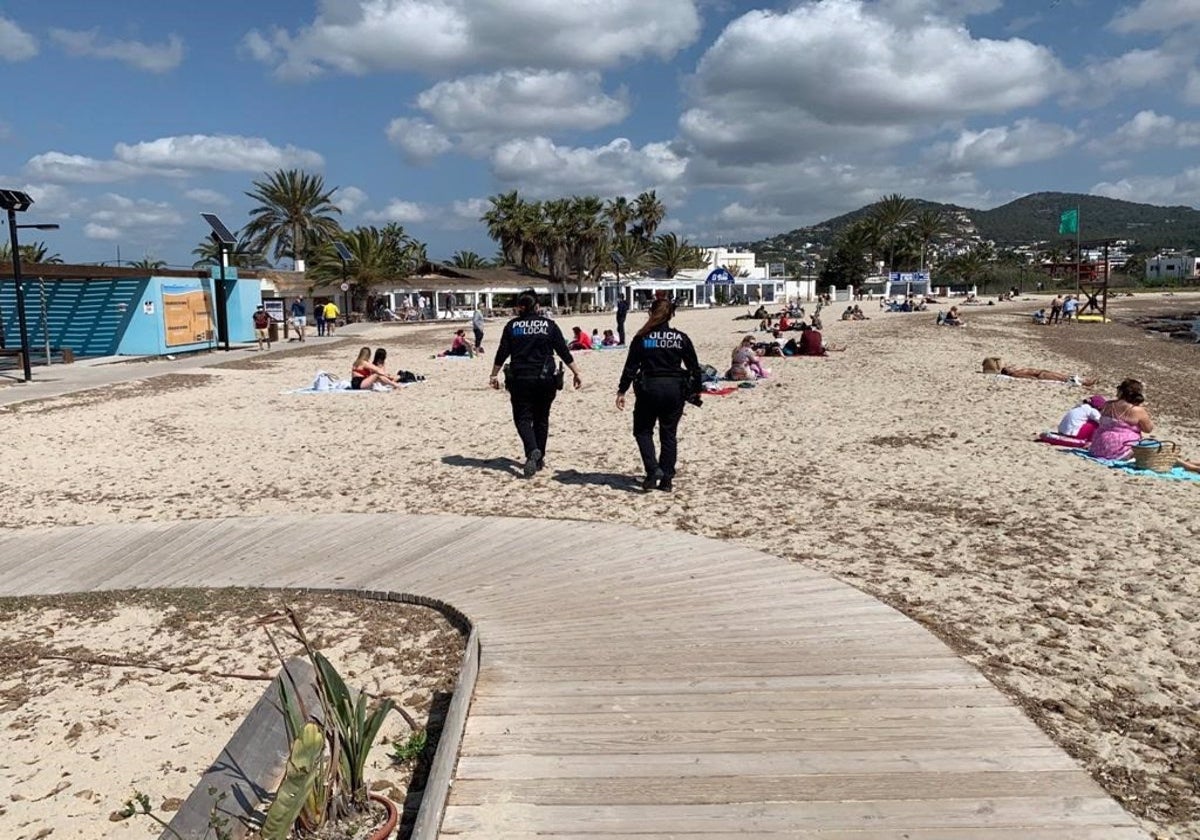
(1082, 420)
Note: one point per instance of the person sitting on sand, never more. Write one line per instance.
(1082, 420)
(460, 346)
(365, 374)
(745, 364)
(580, 341)
(1039, 317)
(953, 319)
(609, 339)
(1040, 373)
(784, 324)
(1122, 423)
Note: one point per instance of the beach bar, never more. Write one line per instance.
(107, 311)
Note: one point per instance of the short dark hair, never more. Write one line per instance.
(527, 302)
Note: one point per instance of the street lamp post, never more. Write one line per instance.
(225, 242)
(15, 202)
(345, 255)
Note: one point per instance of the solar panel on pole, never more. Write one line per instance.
(219, 230)
(343, 251)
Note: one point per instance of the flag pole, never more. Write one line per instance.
(1078, 253)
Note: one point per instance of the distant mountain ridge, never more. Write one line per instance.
(1031, 218)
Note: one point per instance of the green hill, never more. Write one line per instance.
(1029, 219)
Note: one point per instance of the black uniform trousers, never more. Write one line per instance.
(659, 400)
(531, 401)
(621, 329)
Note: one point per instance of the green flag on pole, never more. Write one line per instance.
(1068, 222)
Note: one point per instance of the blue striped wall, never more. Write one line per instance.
(90, 317)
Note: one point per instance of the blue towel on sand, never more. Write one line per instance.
(1175, 474)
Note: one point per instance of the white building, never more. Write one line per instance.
(1180, 266)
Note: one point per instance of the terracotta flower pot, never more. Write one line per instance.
(388, 827)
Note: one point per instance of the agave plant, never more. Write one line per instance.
(348, 727)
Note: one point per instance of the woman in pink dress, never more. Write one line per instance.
(1122, 423)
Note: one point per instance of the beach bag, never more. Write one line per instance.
(323, 382)
(1155, 455)
(992, 364)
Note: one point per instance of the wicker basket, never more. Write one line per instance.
(1156, 455)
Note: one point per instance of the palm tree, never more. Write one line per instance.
(649, 212)
(241, 255)
(619, 213)
(295, 214)
(148, 264)
(467, 259)
(378, 256)
(929, 224)
(589, 237)
(632, 252)
(37, 252)
(670, 253)
(893, 212)
(504, 224)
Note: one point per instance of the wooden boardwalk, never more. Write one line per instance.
(649, 684)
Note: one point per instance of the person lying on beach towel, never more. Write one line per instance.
(992, 364)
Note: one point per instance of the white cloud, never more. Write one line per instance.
(349, 199)
(94, 231)
(471, 209)
(15, 43)
(78, 169)
(227, 153)
(1026, 141)
(1156, 16)
(1183, 188)
(821, 75)
(523, 101)
(539, 166)
(210, 197)
(1148, 129)
(123, 213)
(363, 36)
(171, 157)
(419, 140)
(1133, 70)
(154, 58)
(398, 210)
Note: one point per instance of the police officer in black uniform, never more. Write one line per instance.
(532, 340)
(663, 368)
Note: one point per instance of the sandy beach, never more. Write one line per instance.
(895, 466)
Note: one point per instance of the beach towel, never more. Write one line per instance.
(719, 392)
(1055, 439)
(1043, 381)
(1174, 474)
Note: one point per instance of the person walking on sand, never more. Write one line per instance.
(662, 367)
(477, 327)
(319, 317)
(331, 315)
(532, 340)
(622, 311)
(298, 319)
(262, 328)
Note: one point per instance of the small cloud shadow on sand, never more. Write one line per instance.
(504, 465)
(617, 481)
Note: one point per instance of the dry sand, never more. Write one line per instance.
(894, 466)
(83, 733)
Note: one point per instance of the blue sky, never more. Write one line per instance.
(126, 120)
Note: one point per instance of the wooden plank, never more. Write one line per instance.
(249, 767)
(836, 787)
(631, 764)
(964, 814)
